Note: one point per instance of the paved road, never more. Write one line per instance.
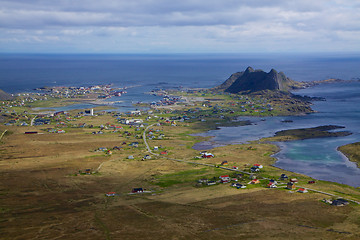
(3, 134)
(32, 121)
(230, 169)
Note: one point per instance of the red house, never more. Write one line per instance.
(111, 194)
(208, 155)
(225, 178)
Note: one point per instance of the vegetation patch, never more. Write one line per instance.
(188, 176)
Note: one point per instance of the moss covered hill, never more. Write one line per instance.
(5, 96)
(252, 80)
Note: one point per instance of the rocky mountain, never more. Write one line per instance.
(257, 80)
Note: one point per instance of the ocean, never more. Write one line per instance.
(317, 158)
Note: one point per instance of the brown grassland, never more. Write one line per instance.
(352, 151)
(43, 196)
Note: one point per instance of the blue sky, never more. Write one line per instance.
(186, 26)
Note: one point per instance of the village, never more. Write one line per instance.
(131, 125)
(146, 156)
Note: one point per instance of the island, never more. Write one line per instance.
(96, 174)
(307, 133)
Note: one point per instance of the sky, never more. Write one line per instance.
(179, 26)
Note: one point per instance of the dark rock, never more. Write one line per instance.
(257, 80)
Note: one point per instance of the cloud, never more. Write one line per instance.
(201, 24)
(40, 13)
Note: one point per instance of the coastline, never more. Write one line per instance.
(62, 162)
(351, 151)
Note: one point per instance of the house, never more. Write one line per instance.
(203, 180)
(339, 202)
(156, 148)
(290, 186)
(235, 167)
(302, 190)
(272, 185)
(254, 169)
(283, 177)
(134, 144)
(207, 155)
(163, 153)
(147, 157)
(137, 190)
(209, 183)
(131, 157)
(255, 181)
(293, 180)
(137, 112)
(110, 194)
(311, 182)
(225, 178)
(238, 185)
(272, 181)
(224, 163)
(88, 171)
(258, 165)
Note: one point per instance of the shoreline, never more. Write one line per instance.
(350, 153)
(323, 133)
(212, 125)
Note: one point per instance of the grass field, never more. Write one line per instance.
(43, 195)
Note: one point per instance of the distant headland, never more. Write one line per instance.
(250, 81)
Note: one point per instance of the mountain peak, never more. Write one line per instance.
(249, 70)
(252, 80)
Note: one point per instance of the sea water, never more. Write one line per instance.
(142, 73)
(318, 157)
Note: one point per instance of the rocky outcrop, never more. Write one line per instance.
(257, 80)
